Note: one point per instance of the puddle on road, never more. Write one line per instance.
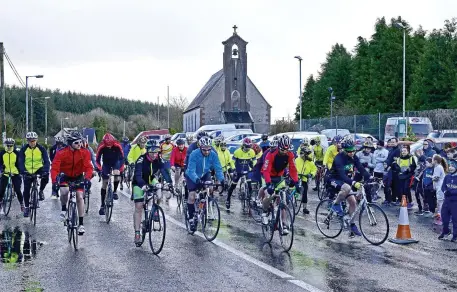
(17, 247)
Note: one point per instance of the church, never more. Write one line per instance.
(230, 96)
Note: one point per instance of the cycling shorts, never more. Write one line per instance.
(138, 193)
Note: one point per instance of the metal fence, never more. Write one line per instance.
(375, 124)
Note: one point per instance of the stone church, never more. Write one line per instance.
(230, 96)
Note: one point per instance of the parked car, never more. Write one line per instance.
(178, 136)
(443, 134)
(330, 133)
(235, 142)
(397, 127)
(359, 139)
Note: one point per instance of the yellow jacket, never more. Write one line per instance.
(225, 158)
(318, 152)
(305, 167)
(330, 155)
(135, 153)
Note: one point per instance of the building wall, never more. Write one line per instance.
(211, 106)
(192, 120)
(260, 110)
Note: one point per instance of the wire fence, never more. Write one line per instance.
(441, 119)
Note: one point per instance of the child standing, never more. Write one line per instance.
(439, 172)
(427, 187)
(449, 208)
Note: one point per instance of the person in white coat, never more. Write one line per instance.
(380, 156)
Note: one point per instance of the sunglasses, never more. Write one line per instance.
(206, 149)
(77, 142)
(9, 146)
(351, 151)
(31, 141)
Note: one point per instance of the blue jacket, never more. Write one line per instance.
(449, 187)
(429, 152)
(264, 145)
(394, 153)
(199, 165)
(343, 168)
(126, 148)
(190, 149)
(427, 179)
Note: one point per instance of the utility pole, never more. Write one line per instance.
(2, 84)
(124, 129)
(158, 113)
(168, 101)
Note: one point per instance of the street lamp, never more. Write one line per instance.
(27, 100)
(332, 98)
(401, 26)
(299, 64)
(61, 123)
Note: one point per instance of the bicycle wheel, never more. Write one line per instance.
(86, 200)
(374, 224)
(211, 220)
(108, 206)
(127, 178)
(322, 192)
(7, 199)
(33, 209)
(254, 211)
(179, 196)
(297, 203)
(74, 225)
(290, 200)
(68, 222)
(285, 227)
(268, 229)
(328, 222)
(157, 226)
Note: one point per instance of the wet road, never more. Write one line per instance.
(238, 260)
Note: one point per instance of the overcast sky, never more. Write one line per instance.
(134, 49)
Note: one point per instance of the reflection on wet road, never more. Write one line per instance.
(239, 260)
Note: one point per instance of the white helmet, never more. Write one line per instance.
(305, 141)
(31, 136)
(205, 142)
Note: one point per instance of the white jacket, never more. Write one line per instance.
(379, 157)
(366, 158)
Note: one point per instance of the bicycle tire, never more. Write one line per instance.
(74, 225)
(68, 223)
(7, 200)
(86, 201)
(286, 245)
(178, 197)
(370, 209)
(322, 211)
(268, 229)
(109, 206)
(162, 226)
(216, 221)
(290, 203)
(33, 208)
(255, 212)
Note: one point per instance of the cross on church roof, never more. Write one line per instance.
(234, 29)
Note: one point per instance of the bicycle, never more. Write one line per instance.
(252, 206)
(320, 185)
(244, 195)
(33, 204)
(152, 219)
(179, 190)
(367, 212)
(87, 193)
(284, 226)
(72, 215)
(128, 175)
(8, 196)
(207, 212)
(109, 200)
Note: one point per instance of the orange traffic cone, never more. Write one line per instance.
(403, 232)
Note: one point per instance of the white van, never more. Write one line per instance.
(208, 128)
(330, 133)
(396, 127)
(297, 137)
(228, 132)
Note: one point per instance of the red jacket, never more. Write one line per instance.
(178, 157)
(270, 168)
(72, 163)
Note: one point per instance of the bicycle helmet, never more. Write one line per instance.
(317, 139)
(9, 142)
(223, 144)
(348, 145)
(125, 139)
(368, 144)
(201, 134)
(59, 140)
(337, 139)
(274, 142)
(180, 142)
(205, 142)
(256, 148)
(189, 139)
(167, 137)
(151, 146)
(305, 150)
(108, 140)
(284, 142)
(305, 141)
(247, 143)
(31, 136)
(74, 136)
(219, 138)
(142, 140)
(264, 137)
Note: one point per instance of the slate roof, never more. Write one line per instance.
(237, 118)
(204, 92)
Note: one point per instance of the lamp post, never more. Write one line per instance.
(27, 100)
(46, 119)
(401, 26)
(301, 97)
(332, 98)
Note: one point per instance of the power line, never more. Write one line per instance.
(21, 81)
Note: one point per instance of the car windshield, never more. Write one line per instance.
(450, 135)
(421, 129)
(175, 136)
(154, 137)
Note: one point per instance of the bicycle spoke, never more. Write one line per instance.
(157, 230)
(328, 223)
(211, 220)
(374, 224)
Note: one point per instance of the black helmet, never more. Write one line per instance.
(74, 136)
(201, 134)
(125, 139)
(264, 137)
(180, 142)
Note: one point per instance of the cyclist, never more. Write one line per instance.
(189, 139)
(217, 142)
(332, 151)
(73, 163)
(126, 149)
(366, 157)
(9, 164)
(306, 169)
(244, 161)
(194, 145)
(59, 144)
(276, 161)
(318, 151)
(340, 177)
(33, 159)
(264, 144)
(226, 161)
(137, 150)
(147, 168)
(110, 152)
(199, 170)
(178, 156)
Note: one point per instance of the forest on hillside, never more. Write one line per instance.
(104, 113)
(370, 78)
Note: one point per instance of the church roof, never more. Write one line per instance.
(204, 92)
